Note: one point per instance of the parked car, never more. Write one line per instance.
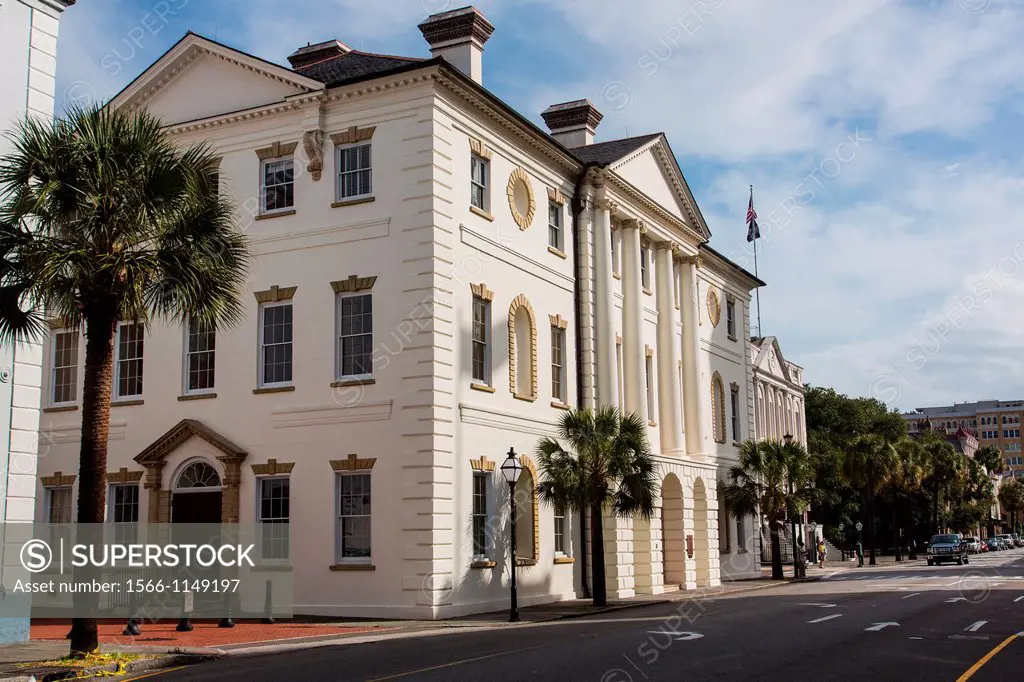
(973, 545)
(1018, 540)
(984, 546)
(947, 548)
(1007, 540)
(994, 544)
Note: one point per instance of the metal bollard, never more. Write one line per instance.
(268, 605)
(132, 628)
(185, 625)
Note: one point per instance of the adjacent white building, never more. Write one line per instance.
(436, 281)
(28, 44)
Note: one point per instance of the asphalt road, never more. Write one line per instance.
(908, 623)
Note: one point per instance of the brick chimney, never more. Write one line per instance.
(573, 123)
(311, 54)
(459, 36)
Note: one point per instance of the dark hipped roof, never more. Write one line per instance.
(604, 153)
(355, 65)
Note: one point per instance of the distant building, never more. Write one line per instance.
(28, 43)
(991, 422)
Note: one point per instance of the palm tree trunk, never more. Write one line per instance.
(871, 523)
(583, 553)
(896, 530)
(911, 534)
(600, 590)
(92, 468)
(777, 551)
(935, 510)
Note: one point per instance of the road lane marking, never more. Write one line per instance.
(955, 600)
(823, 619)
(955, 582)
(1018, 599)
(974, 627)
(987, 657)
(453, 664)
(678, 636)
(821, 606)
(910, 595)
(878, 627)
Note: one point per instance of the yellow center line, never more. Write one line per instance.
(455, 663)
(986, 658)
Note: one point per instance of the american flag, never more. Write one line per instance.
(753, 232)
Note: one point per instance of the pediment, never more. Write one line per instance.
(180, 434)
(199, 78)
(653, 170)
(771, 361)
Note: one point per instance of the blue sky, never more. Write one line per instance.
(882, 136)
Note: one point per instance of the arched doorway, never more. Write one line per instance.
(196, 493)
(672, 533)
(701, 542)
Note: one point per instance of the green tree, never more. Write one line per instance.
(901, 481)
(944, 463)
(990, 457)
(774, 479)
(1011, 499)
(605, 462)
(868, 459)
(105, 220)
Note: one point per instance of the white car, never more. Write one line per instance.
(1007, 539)
(973, 545)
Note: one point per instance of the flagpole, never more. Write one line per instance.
(757, 291)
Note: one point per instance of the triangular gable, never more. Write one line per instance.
(654, 170)
(199, 78)
(770, 346)
(180, 434)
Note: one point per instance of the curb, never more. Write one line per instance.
(143, 665)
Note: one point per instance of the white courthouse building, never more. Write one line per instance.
(436, 280)
(28, 45)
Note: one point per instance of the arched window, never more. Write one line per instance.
(522, 349)
(527, 545)
(718, 408)
(197, 474)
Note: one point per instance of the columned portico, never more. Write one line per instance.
(696, 424)
(633, 356)
(670, 416)
(607, 379)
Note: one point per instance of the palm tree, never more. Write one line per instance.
(1011, 498)
(901, 480)
(606, 462)
(866, 462)
(105, 220)
(990, 457)
(944, 464)
(774, 479)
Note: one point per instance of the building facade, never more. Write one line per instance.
(991, 422)
(436, 280)
(28, 42)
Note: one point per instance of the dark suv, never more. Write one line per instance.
(947, 548)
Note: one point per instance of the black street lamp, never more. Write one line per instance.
(511, 469)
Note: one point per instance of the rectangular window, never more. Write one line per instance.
(353, 528)
(64, 363)
(730, 318)
(58, 504)
(128, 360)
(555, 225)
(561, 542)
(278, 185)
(355, 172)
(200, 350)
(649, 373)
(616, 235)
(275, 344)
(558, 364)
(480, 169)
(741, 533)
(479, 516)
(273, 516)
(645, 271)
(481, 340)
(355, 336)
(123, 512)
(734, 400)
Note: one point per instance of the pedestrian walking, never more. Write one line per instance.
(821, 553)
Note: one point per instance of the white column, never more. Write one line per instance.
(694, 403)
(670, 416)
(634, 358)
(607, 374)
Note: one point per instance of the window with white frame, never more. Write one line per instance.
(355, 171)
(352, 543)
(561, 533)
(275, 344)
(277, 185)
(730, 317)
(355, 336)
(200, 352)
(741, 533)
(649, 375)
(123, 511)
(558, 363)
(555, 225)
(480, 485)
(64, 368)
(734, 406)
(645, 270)
(481, 341)
(58, 504)
(128, 360)
(480, 169)
(273, 514)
